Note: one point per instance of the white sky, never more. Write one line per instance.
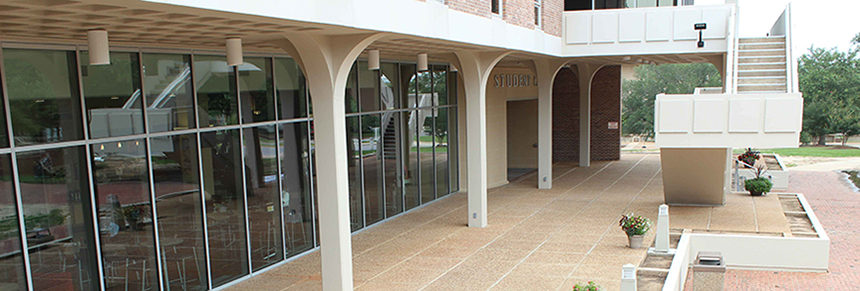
(823, 23)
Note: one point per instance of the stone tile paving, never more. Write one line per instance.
(837, 207)
(535, 239)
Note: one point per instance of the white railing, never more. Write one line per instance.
(783, 27)
(644, 31)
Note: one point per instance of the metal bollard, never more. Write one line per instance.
(709, 272)
(628, 277)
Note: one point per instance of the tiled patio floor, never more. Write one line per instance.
(535, 240)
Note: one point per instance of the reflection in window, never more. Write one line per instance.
(390, 82)
(407, 83)
(175, 173)
(453, 145)
(440, 151)
(440, 85)
(354, 148)
(427, 143)
(352, 91)
(225, 204)
(125, 215)
(256, 90)
(43, 94)
(295, 196)
(12, 262)
(368, 88)
(410, 161)
(216, 90)
(169, 100)
(390, 147)
(264, 216)
(371, 146)
(291, 89)
(112, 95)
(58, 219)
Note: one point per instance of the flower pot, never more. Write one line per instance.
(635, 241)
(756, 193)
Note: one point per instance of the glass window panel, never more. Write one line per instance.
(225, 204)
(452, 87)
(426, 94)
(261, 182)
(12, 264)
(440, 151)
(176, 177)
(112, 95)
(390, 82)
(352, 91)
(296, 188)
(453, 150)
(440, 84)
(4, 138)
(58, 219)
(354, 149)
(426, 144)
(368, 87)
(169, 100)
(390, 146)
(43, 94)
(216, 90)
(314, 187)
(374, 195)
(256, 90)
(408, 82)
(121, 181)
(411, 179)
(290, 81)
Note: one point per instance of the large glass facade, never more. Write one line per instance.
(175, 171)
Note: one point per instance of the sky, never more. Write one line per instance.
(821, 23)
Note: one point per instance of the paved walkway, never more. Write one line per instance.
(535, 240)
(837, 208)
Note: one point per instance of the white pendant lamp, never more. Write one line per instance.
(234, 51)
(97, 45)
(422, 63)
(373, 60)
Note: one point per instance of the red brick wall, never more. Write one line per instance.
(605, 107)
(516, 12)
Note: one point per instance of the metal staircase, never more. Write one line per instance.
(762, 65)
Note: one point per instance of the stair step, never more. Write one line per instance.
(762, 88)
(766, 39)
(762, 73)
(756, 46)
(759, 92)
(760, 66)
(761, 81)
(763, 52)
(761, 59)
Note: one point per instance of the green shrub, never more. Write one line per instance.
(587, 287)
(758, 185)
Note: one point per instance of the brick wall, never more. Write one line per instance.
(516, 12)
(605, 108)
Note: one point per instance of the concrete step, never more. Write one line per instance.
(777, 80)
(760, 66)
(761, 59)
(762, 39)
(762, 52)
(761, 46)
(761, 73)
(759, 92)
(762, 88)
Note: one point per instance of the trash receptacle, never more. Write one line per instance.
(709, 272)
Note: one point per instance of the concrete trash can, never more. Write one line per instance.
(709, 272)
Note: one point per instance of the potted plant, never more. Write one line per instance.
(759, 185)
(749, 157)
(133, 215)
(636, 227)
(586, 287)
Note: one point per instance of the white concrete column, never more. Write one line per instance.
(326, 61)
(475, 68)
(585, 73)
(662, 240)
(545, 70)
(628, 277)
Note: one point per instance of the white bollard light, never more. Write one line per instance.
(662, 239)
(628, 278)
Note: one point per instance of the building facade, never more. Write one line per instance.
(174, 167)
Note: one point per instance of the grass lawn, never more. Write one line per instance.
(812, 151)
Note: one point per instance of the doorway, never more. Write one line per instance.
(522, 125)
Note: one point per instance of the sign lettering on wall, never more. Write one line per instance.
(514, 80)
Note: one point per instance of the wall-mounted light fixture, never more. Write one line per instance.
(422, 63)
(97, 45)
(234, 51)
(700, 27)
(373, 60)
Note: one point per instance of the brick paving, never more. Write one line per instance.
(837, 207)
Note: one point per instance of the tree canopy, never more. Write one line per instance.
(830, 82)
(637, 115)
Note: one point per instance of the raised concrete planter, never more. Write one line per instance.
(779, 176)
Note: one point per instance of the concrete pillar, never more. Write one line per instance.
(585, 72)
(326, 61)
(545, 70)
(628, 277)
(475, 68)
(662, 239)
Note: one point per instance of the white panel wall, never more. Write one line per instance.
(728, 120)
(642, 31)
